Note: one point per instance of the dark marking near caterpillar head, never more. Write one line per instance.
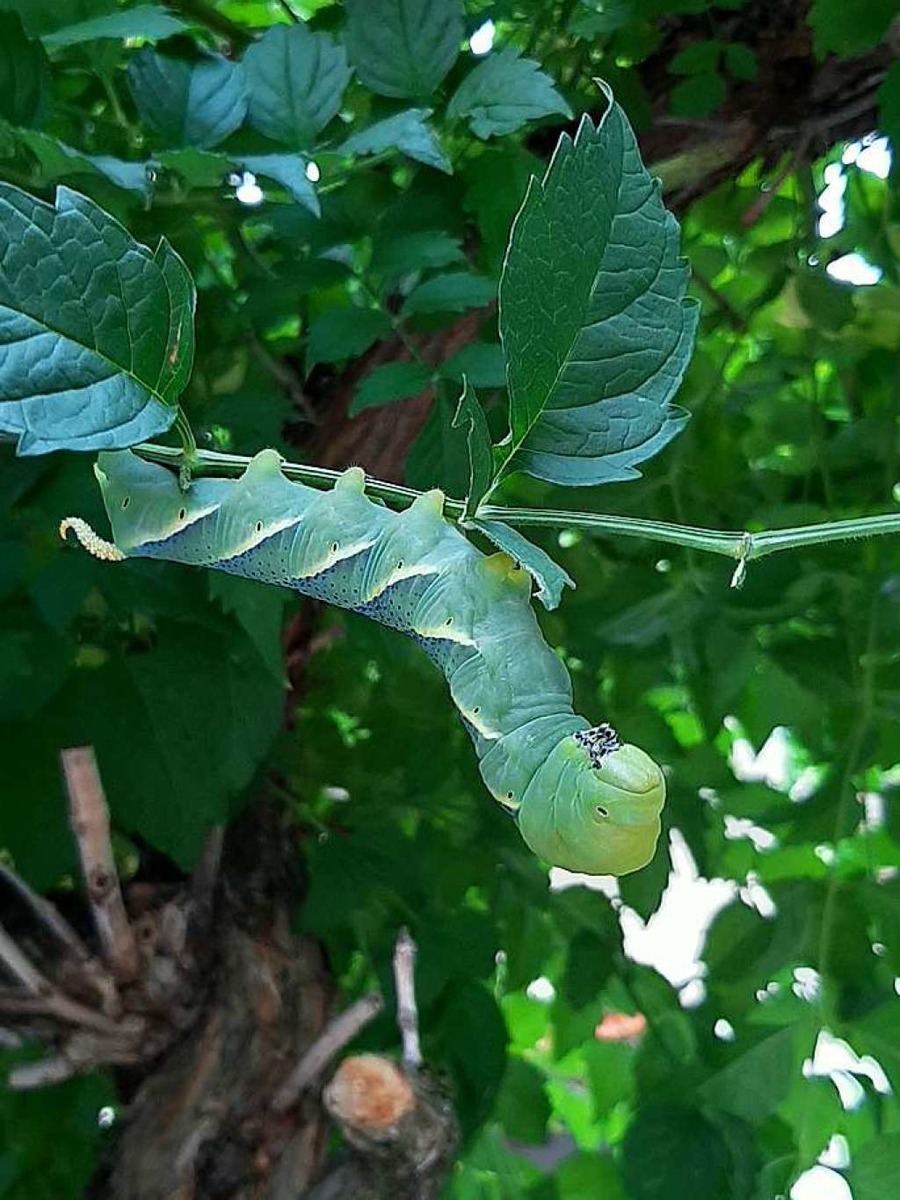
(601, 811)
(259, 526)
(599, 742)
(182, 513)
(126, 501)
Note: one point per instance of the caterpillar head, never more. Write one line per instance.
(594, 804)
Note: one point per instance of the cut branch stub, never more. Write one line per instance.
(89, 817)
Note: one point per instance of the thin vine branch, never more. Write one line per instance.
(741, 545)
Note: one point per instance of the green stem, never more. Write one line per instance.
(742, 546)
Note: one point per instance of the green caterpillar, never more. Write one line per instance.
(581, 799)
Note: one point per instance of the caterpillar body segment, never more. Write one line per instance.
(581, 799)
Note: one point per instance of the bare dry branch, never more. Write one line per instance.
(87, 966)
(89, 817)
(51, 1003)
(20, 966)
(30, 1076)
(407, 1012)
(342, 1030)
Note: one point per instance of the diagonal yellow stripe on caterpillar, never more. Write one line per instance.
(582, 798)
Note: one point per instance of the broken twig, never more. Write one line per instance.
(89, 818)
(342, 1030)
(407, 1012)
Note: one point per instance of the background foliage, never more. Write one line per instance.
(342, 192)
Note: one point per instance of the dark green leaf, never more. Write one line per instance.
(481, 363)
(847, 29)
(454, 292)
(523, 1108)
(503, 93)
(296, 80)
(698, 95)
(25, 86)
(594, 323)
(407, 132)
(394, 381)
(188, 102)
(470, 416)
(344, 333)
(700, 58)
(416, 252)
(586, 1174)
(149, 22)
(741, 61)
(141, 711)
(404, 48)
(88, 313)
(290, 171)
(875, 1173)
(755, 1082)
(889, 104)
(588, 966)
(465, 1009)
(673, 1153)
(132, 176)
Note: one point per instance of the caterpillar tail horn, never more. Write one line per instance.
(91, 541)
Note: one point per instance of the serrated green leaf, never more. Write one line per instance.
(296, 80)
(290, 171)
(407, 132)
(593, 317)
(549, 577)
(188, 102)
(505, 92)
(404, 48)
(454, 292)
(393, 381)
(97, 331)
(146, 21)
(470, 416)
(344, 333)
(426, 250)
(25, 84)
